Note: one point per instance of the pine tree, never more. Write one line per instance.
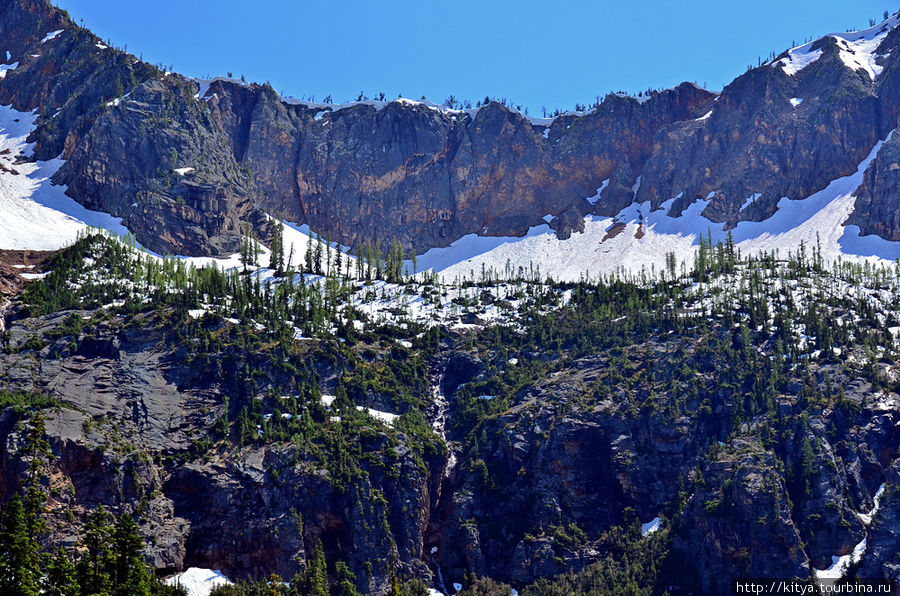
(346, 580)
(96, 564)
(38, 450)
(245, 250)
(20, 568)
(61, 577)
(131, 575)
(317, 573)
(309, 253)
(277, 258)
(317, 256)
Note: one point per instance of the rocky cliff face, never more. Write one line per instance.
(136, 410)
(581, 451)
(375, 171)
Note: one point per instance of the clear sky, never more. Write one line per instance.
(535, 54)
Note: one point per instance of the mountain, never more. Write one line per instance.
(662, 353)
(185, 163)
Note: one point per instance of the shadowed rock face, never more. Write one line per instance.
(426, 176)
(877, 209)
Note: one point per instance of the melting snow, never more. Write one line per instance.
(51, 35)
(704, 116)
(798, 59)
(651, 526)
(796, 101)
(7, 67)
(183, 171)
(593, 200)
(817, 218)
(36, 214)
(858, 50)
(385, 417)
(867, 517)
(839, 565)
(197, 581)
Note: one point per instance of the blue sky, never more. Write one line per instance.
(535, 54)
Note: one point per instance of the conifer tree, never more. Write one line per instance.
(317, 573)
(277, 258)
(97, 562)
(131, 576)
(20, 568)
(61, 576)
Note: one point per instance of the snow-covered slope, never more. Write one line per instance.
(857, 49)
(38, 215)
(35, 214)
(638, 238)
(197, 581)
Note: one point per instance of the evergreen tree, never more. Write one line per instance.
(277, 258)
(61, 577)
(38, 450)
(131, 575)
(346, 580)
(97, 562)
(316, 579)
(20, 568)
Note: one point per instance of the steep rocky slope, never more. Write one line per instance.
(185, 162)
(672, 435)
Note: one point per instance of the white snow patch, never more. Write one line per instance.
(33, 276)
(38, 215)
(866, 518)
(749, 200)
(183, 171)
(840, 564)
(704, 116)
(796, 101)
(386, 417)
(197, 581)
(327, 400)
(51, 35)
(798, 58)
(636, 186)
(817, 218)
(4, 68)
(593, 200)
(858, 50)
(651, 526)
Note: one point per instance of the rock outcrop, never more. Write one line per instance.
(185, 164)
